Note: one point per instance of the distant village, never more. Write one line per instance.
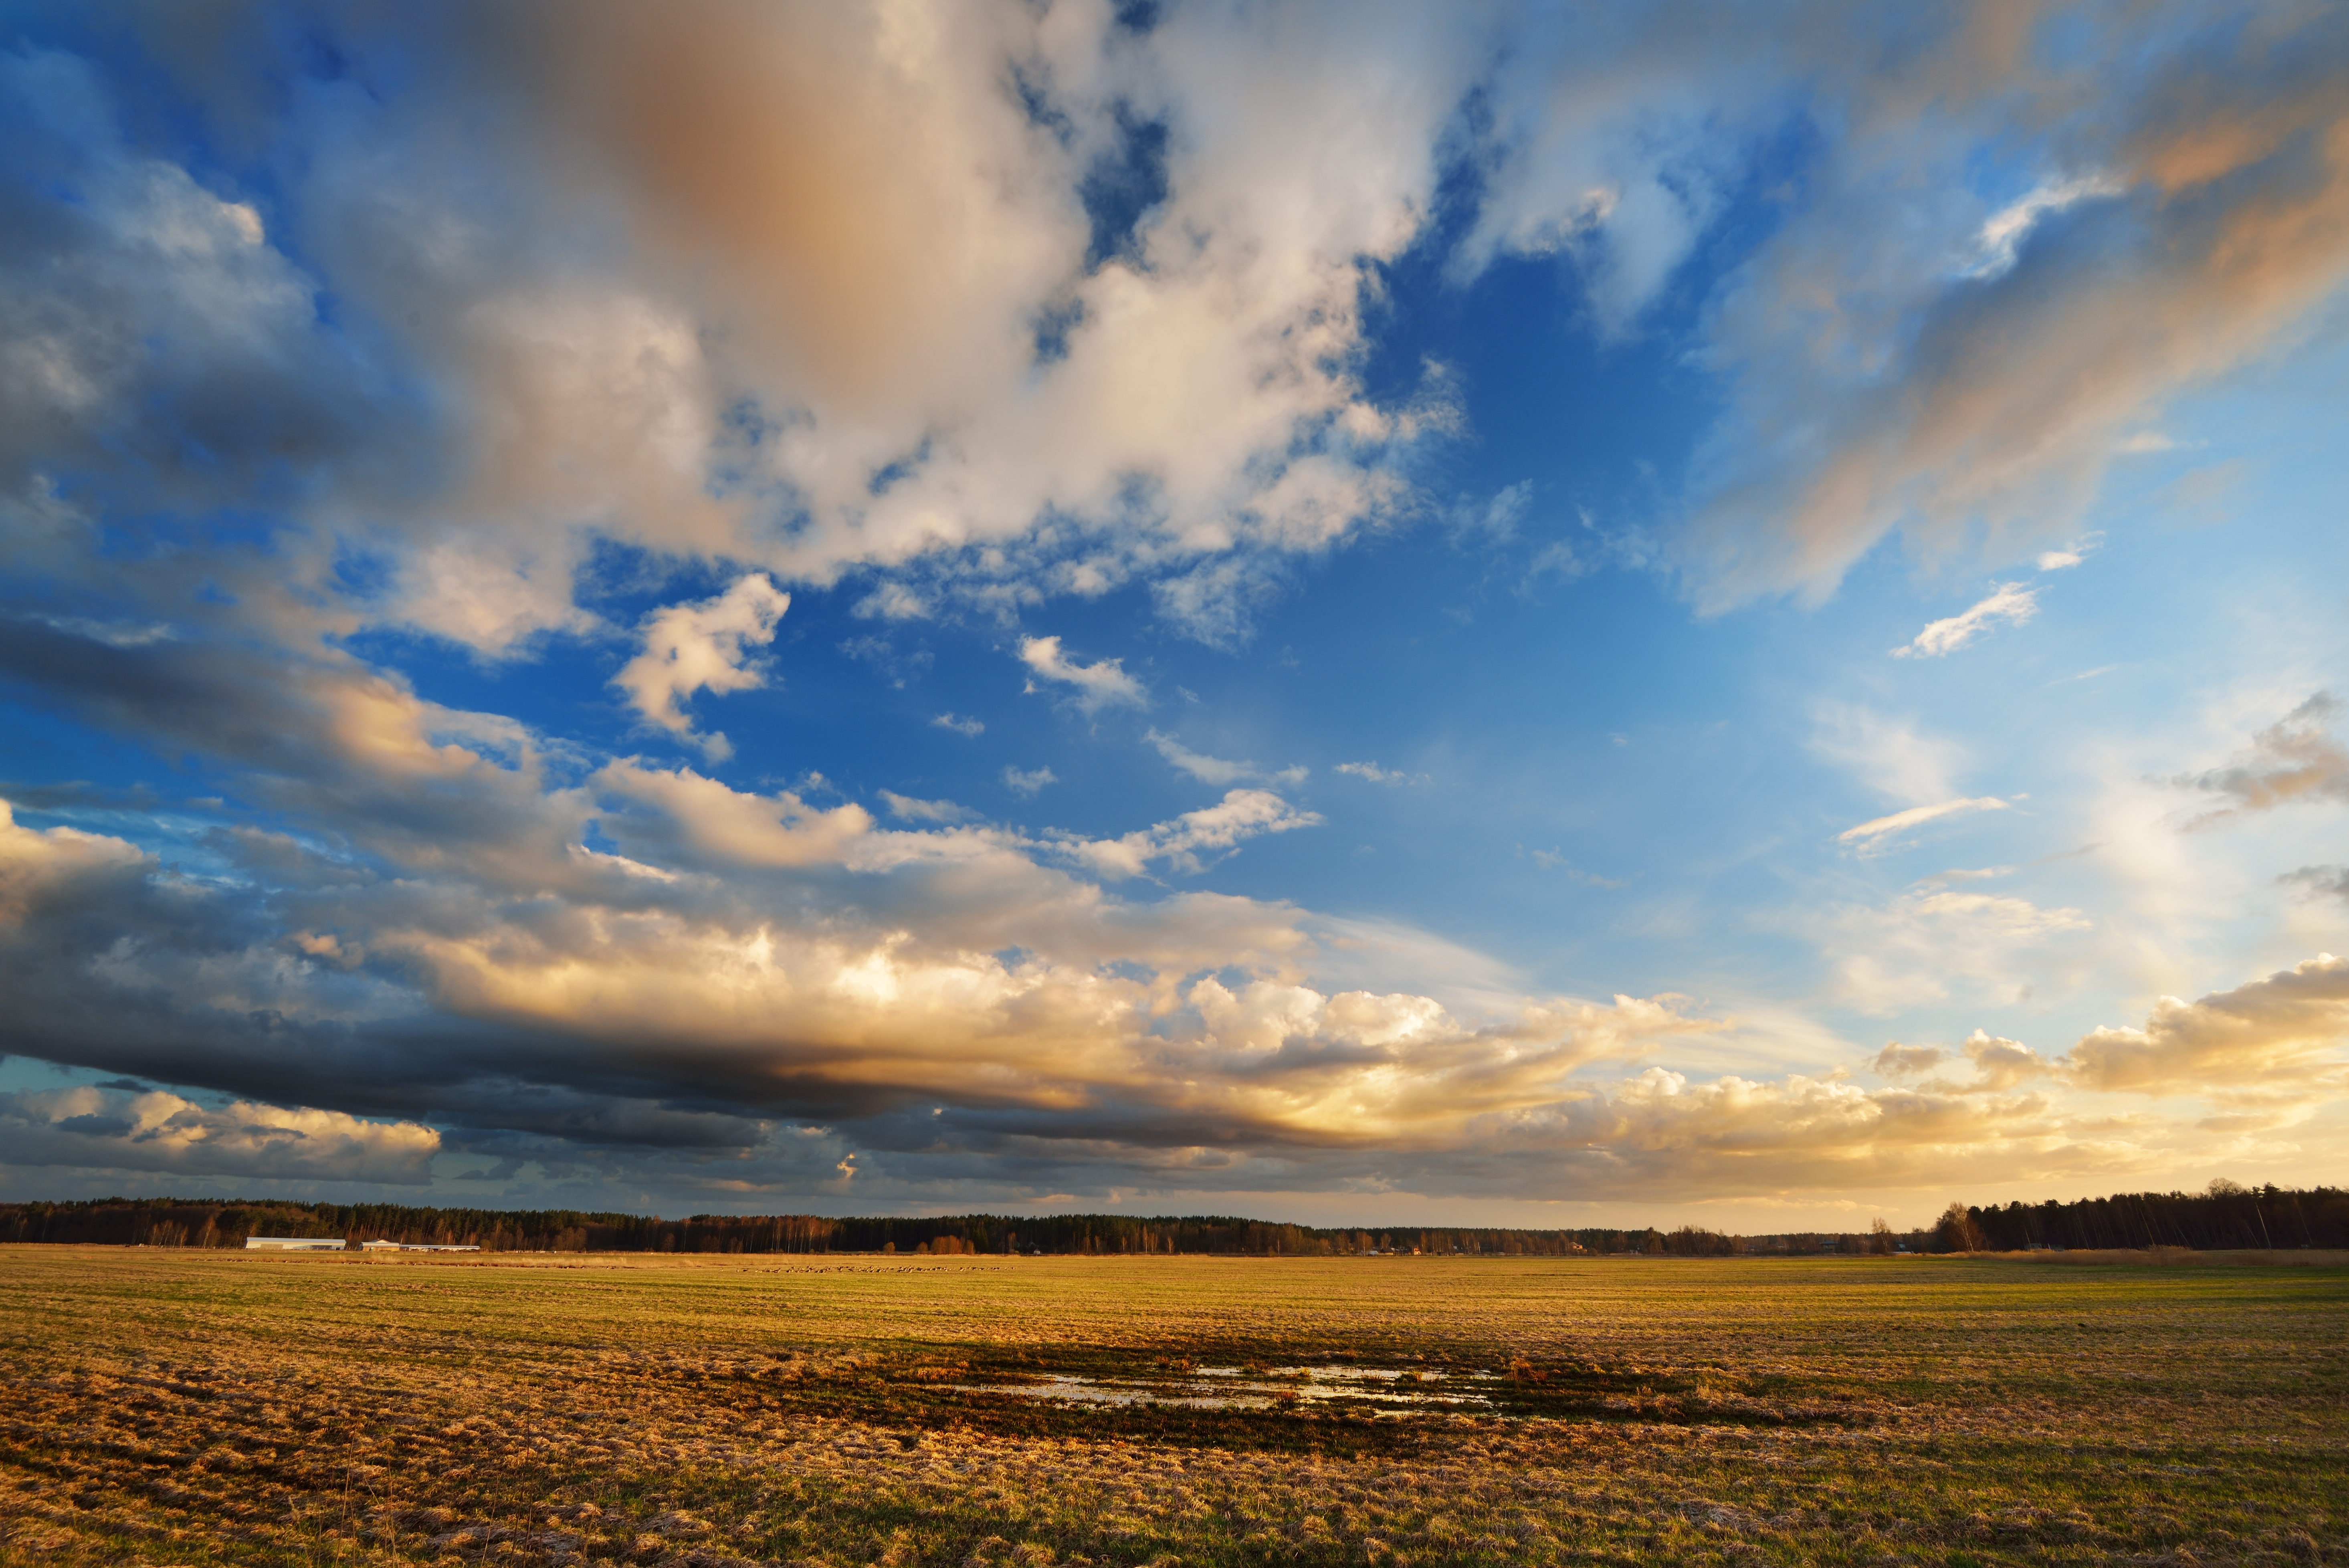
(347, 1244)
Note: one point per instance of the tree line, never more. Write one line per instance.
(2223, 1216)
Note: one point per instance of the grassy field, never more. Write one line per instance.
(182, 1408)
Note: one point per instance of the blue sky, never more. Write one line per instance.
(1557, 616)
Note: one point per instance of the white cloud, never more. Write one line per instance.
(1872, 836)
(913, 810)
(702, 647)
(1929, 944)
(2005, 228)
(2012, 602)
(2070, 555)
(1102, 685)
(1553, 860)
(1240, 814)
(1373, 773)
(1888, 754)
(1216, 770)
(966, 727)
(1026, 781)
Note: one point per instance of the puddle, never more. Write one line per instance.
(1234, 1388)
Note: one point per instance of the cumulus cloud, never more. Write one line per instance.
(2284, 1036)
(702, 647)
(831, 296)
(2296, 760)
(963, 726)
(1876, 834)
(2011, 602)
(1097, 686)
(1896, 1061)
(2001, 1066)
(599, 338)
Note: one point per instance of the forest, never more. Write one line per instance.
(2224, 1216)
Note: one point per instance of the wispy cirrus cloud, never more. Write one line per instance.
(1216, 769)
(1873, 835)
(1371, 773)
(2011, 603)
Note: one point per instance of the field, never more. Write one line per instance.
(182, 1407)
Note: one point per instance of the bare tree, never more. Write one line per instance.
(1959, 1232)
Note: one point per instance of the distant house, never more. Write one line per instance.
(414, 1247)
(336, 1244)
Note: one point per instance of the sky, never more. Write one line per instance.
(1542, 616)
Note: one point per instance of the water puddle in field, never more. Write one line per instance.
(1234, 1389)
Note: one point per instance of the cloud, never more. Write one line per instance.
(964, 726)
(2012, 602)
(95, 1128)
(1216, 770)
(2005, 228)
(916, 810)
(702, 647)
(2025, 238)
(829, 298)
(1371, 772)
(2070, 555)
(2294, 760)
(1026, 781)
(1552, 861)
(2324, 881)
(2281, 1037)
(1886, 754)
(2001, 1063)
(1098, 686)
(1872, 836)
(1896, 1061)
(1932, 943)
(1887, 383)
(1240, 814)
(599, 338)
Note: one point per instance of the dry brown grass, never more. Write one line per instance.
(186, 1407)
